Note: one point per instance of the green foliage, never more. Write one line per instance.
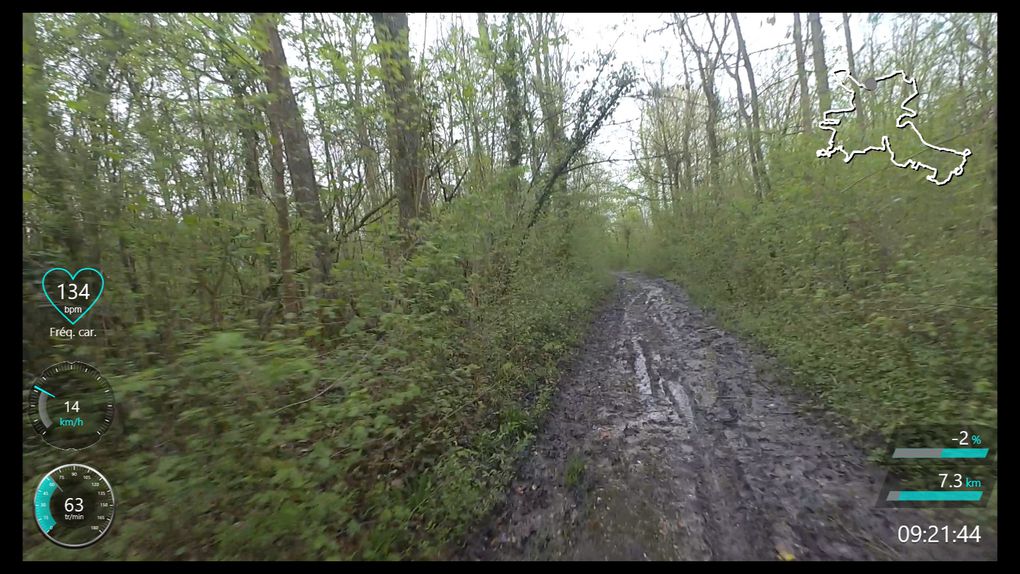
(428, 393)
(266, 412)
(880, 296)
(876, 288)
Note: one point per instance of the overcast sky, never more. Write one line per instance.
(633, 38)
(639, 39)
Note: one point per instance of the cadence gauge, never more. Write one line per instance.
(74, 505)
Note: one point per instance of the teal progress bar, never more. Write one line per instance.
(940, 453)
(934, 495)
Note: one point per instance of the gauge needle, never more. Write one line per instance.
(40, 389)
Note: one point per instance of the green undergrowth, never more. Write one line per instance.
(879, 297)
(384, 434)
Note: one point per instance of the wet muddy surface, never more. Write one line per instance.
(668, 439)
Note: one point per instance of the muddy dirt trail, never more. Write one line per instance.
(667, 440)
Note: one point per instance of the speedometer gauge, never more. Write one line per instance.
(71, 405)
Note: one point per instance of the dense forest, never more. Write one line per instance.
(342, 271)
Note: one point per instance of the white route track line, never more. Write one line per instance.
(901, 122)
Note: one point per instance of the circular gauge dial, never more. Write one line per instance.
(71, 405)
(74, 505)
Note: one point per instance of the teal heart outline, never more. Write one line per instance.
(102, 285)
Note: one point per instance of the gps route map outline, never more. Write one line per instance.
(903, 121)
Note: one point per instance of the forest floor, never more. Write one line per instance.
(669, 439)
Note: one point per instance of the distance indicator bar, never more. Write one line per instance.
(940, 453)
(934, 495)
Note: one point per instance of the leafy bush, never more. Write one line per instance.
(385, 439)
(880, 296)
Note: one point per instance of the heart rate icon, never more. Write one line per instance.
(70, 294)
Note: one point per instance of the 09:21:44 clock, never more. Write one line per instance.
(932, 533)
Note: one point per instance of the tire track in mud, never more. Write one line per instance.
(689, 453)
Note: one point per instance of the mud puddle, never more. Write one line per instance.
(664, 442)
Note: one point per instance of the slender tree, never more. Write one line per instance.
(403, 114)
(761, 172)
(708, 63)
(802, 81)
(283, 109)
(821, 70)
(849, 45)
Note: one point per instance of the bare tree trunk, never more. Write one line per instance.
(993, 169)
(851, 65)
(849, 45)
(509, 73)
(805, 102)
(324, 134)
(821, 70)
(283, 105)
(991, 72)
(688, 127)
(405, 114)
(706, 69)
(353, 86)
(761, 173)
(743, 119)
(288, 287)
(911, 53)
(549, 102)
